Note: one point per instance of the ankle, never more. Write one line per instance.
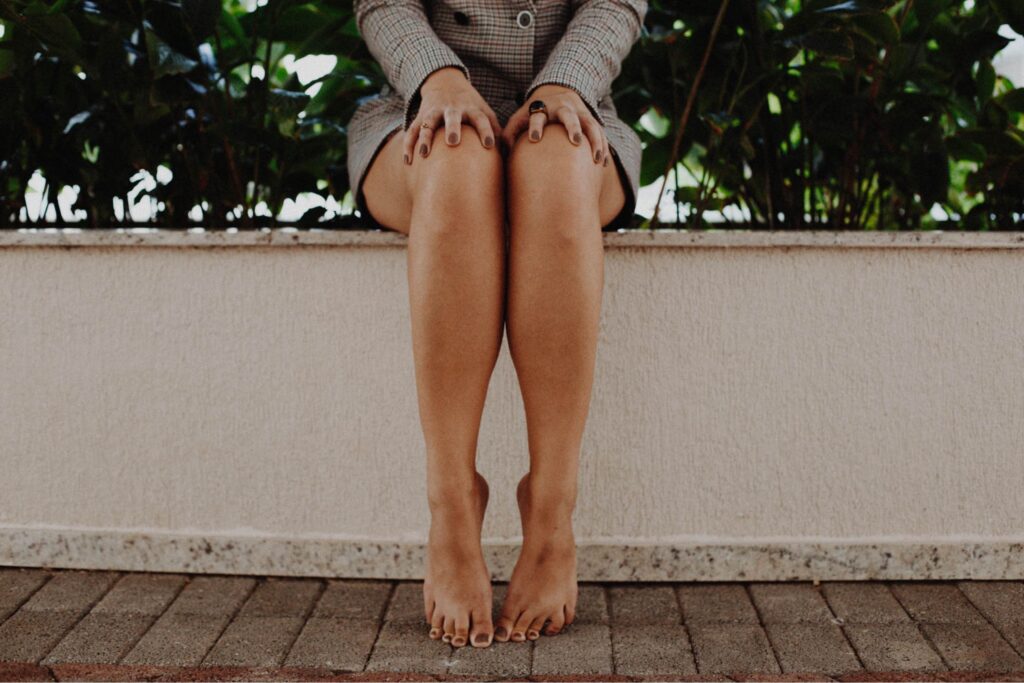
(454, 493)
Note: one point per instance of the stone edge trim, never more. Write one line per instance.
(697, 560)
(283, 237)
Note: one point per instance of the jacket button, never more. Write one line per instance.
(462, 18)
(525, 19)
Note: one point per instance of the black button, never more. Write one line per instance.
(462, 18)
(520, 96)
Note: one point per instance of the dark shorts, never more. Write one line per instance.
(621, 221)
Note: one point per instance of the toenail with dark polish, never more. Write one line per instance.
(433, 633)
(501, 632)
(480, 639)
(518, 636)
(533, 634)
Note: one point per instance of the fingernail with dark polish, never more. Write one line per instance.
(488, 143)
(576, 137)
(597, 155)
(405, 157)
(452, 138)
(534, 135)
(423, 150)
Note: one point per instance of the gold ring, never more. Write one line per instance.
(424, 125)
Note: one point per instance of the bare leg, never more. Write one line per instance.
(558, 199)
(451, 204)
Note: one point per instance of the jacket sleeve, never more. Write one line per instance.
(401, 39)
(588, 57)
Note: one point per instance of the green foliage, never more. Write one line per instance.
(835, 113)
(821, 113)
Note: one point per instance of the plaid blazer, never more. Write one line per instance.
(506, 48)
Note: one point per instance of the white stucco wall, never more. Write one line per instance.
(753, 391)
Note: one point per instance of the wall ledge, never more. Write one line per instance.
(290, 237)
(603, 559)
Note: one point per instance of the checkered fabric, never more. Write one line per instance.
(507, 49)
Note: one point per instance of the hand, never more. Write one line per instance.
(566, 106)
(447, 97)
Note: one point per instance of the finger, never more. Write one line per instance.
(409, 140)
(483, 129)
(571, 121)
(516, 124)
(607, 149)
(593, 132)
(423, 138)
(537, 121)
(453, 125)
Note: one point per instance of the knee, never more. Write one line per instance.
(464, 181)
(554, 182)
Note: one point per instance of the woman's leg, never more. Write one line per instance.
(451, 204)
(558, 200)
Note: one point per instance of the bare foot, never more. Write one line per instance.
(543, 584)
(457, 586)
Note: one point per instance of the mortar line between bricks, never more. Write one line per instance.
(80, 617)
(153, 621)
(49, 575)
(917, 625)
(305, 620)
(987, 620)
(682, 622)
(839, 621)
(380, 623)
(231, 620)
(760, 621)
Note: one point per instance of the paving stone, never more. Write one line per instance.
(71, 590)
(334, 643)
(936, 602)
(141, 594)
(275, 597)
(403, 646)
(498, 660)
(973, 647)
(580, 649)
(591, 604)
(732, 648)
(255, 641)
(790, 603)
(652, 650)
(1014, 634)
(716, 603)
(812, 648)
(862, 602)
(212, 595)
(1001, 601)
(178, 639)
(893, 647)
(100, 638)
(20, 671)
(656, 604)
(29, 634)
(16, 586)
(407, 603)
(354, 599)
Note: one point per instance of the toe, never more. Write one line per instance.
(557, 622)
(533, 630)
(521, 625)
(436, 623)
(480, 635)
(449, 629)
(503, 629)
(461, 630)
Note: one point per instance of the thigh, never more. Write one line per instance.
(386, 186)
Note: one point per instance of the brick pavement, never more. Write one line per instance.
(98, 625)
